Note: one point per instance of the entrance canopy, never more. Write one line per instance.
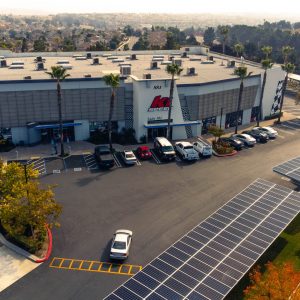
(162, 125)
(55, 125)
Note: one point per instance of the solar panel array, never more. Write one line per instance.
(290, 169)
(209, 260)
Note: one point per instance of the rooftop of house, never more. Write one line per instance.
(204, 70)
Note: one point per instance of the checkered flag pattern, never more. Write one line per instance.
(277, 98)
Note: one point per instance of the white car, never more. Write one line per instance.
(247, 139)
(186, 151)
(203, 148)
(129, 157)
(121, 244)
(271, 132)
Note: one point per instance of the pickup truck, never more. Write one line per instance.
(186, 151)
(203, 147)
(104, 157)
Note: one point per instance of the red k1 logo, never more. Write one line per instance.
(160, 103)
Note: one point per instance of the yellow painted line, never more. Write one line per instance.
(86, 153)
(71, 266)
(35, 157)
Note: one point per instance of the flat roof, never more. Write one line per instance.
(205, 72)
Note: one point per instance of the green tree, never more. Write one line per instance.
(171, 43)
(191, 40)
(39, 45)
(172, 69)
(242, 73)
(216, 131)
(239, 49)
(288, 68)
(266, 65)
(59, 74)
(25, 207)
(24, 47)
(112, 80)
(209, 36)
(126, 47)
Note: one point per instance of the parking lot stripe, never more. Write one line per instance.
(117, 161)
(104, 267)
(155, 157)
(285, 131)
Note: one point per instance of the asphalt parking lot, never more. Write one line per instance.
(158, 202)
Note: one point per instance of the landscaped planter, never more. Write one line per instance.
(225, 155)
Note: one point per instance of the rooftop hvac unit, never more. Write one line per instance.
(39, 59)
(147, 76)
(16, 67)
(62, 62)
(67, 66)
(187, 49)
(27, 77)
(211, 58)
(111, 57)
(80, 58)
(158, 56)
(133, 57)
(230, 63)
(3, 63)
(177, 62)
(87, 75)
(153, 65)
(184, 55)
(125, 70)
(191, 71)
(40, 66)
(171, 57)
(89, 55)
(19, 63)
(95, 61)
(118, 60)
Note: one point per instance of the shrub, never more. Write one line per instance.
(222, 148)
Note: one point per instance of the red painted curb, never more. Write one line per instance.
(49, 250)
(225, 155)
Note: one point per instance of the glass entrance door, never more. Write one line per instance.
(155, 132)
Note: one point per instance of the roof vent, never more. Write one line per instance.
(184, 55)
(87, 75)
(133, 57)
(191, 72)
(230, 63)
(125, 70)
(40, 66)
(153, 65)
(27, 77)
(3, 63)
(147, 76)
(95, 61)
(89, 55)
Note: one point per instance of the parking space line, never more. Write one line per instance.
(293, 123)
(287, 126)
(119, 165)
(155, 157)
(138, 162)
(285, 131)
(69, 265)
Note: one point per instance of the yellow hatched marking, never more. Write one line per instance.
(71, 266)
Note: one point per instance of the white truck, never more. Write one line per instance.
(203, 147)
(186, 151)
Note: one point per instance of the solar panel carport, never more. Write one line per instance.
(209, 260)
(289, 169)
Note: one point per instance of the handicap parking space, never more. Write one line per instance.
(54, 165)
(75, 163)
(90, 161)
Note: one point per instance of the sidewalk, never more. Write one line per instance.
(81, 147)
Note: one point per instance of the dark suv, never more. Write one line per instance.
(104, 157)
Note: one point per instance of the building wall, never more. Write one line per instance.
(19, 107)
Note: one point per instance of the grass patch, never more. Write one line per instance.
(285, 248)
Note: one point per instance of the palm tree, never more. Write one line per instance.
(59, 74)
(266, 64)
(239, 49)
(286, 51)
(288, 68)
(112, 80)
(172, 69)
(267, 50)
(242, 73)
(224, 30)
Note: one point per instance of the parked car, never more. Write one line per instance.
(129, 157)
(164, 149)
(258, 135)
(143, 152)
(203, 147)
(247, 139)
(271, 132)
(233, 142)
(104, 157)
(186, 151)
(121, 244)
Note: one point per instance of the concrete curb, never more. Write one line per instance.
(25, 253)
(225, 155)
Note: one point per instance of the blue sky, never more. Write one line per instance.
(267, 7)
